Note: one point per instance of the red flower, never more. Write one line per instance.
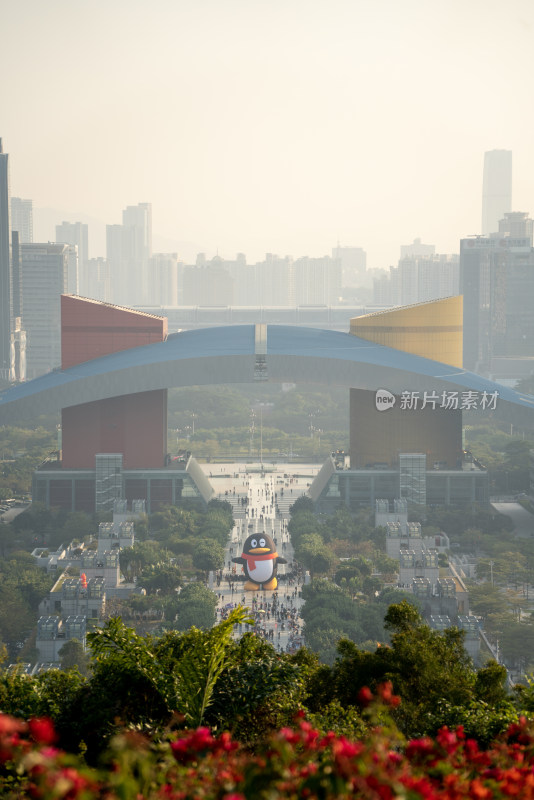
(478, 791)
(385, 692)
(342, 748)
(419, 748)
(448, 739)
(42, 730)
(365, 696)
(10, 725)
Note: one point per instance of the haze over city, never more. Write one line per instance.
(282, 127)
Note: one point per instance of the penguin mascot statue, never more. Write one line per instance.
(259, 560)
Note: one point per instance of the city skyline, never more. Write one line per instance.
(282, 128)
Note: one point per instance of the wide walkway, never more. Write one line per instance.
(268, 495)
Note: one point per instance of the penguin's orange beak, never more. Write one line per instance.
(260, 550)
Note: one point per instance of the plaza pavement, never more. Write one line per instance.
(270, 493)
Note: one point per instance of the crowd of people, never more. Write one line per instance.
(275, 613)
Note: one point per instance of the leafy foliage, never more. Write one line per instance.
(293, 762)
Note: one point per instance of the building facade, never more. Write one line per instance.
(410, 449)
(128, 250)
(44, 278)
(6, 313)
(496, 189)
(114, 449)
(75, 234)
(418, 278)
(497, 283)
(22, 219)
(353, 265)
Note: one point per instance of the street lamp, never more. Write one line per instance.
(252, 426)
(261, 434)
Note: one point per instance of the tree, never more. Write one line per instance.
(208, 555)
(196, 606)
(356, 567)
(79, 525)
(143, 555)
(163, 578)
(22, 586)
(73, 656)
(485, 599)
(319, 559)
(301, 504)
(144, 680)
(517, 645)
(402, 617)
(490, 683)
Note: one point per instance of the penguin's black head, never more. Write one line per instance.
(259, 543)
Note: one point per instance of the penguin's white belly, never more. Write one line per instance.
(262, 572)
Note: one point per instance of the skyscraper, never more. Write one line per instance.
(6, 311)
(44, 277)
(496, 189)
(75, 233)
(417, 250)
(137, 224)
(517, 224)
(128, 249)
(22, 219)
(353, 264)
(317, 281)
(497, 284)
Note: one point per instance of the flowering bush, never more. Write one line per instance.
(297, 762)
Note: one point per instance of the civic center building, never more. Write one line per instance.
(412, 449)
(403, 369)
(115, 448)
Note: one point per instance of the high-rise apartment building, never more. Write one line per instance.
(317, 281)
(517, 224)
(274, 283)
(353, 264)
(139, 218)
(137, 224)
(497, 283)
(116, 258)
(496, 189)
(75, 234)
(22, 219)
(417, 250)
(163, 279)
(44, 278)
(129, 247)
(12, 335)
(208, 285)
(95, 282)
(6, 311)
(418, 279)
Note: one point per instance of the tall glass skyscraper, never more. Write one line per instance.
(6, 365)
(22, 219)
(496, 189)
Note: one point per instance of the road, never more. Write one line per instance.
(276, 613)
(11, 513)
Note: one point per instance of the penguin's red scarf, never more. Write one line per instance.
(251, 559)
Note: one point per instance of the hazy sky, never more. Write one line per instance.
(270, 125)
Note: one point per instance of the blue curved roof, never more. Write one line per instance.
(227, 355)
